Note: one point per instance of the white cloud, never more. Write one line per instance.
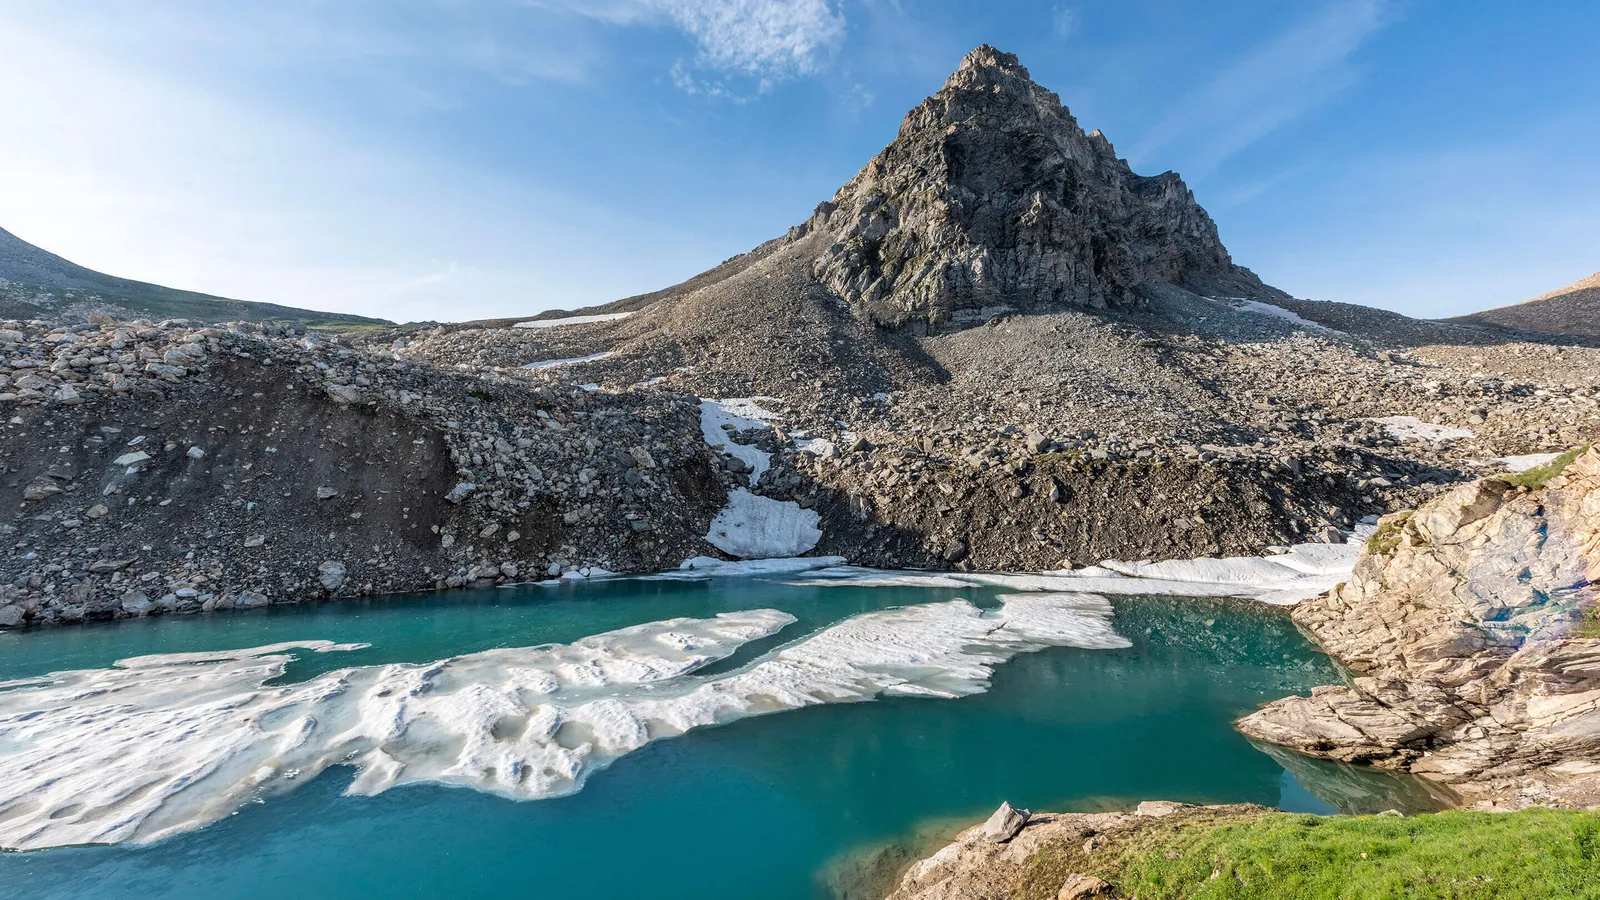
(766, 38)
(1283, 79)
(770, 40)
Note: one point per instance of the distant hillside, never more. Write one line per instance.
(37, 284)
(1574, 309)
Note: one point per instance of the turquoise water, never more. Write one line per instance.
(772, 806)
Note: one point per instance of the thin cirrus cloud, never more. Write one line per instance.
(1288, 76)
(770, 40)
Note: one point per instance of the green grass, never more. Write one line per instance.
(1387, 537)
(1536, 477)
(1533, 854)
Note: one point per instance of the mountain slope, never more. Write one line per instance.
(36, 283)
(1574, 310)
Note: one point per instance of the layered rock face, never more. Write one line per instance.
(1463, 631)
(993, 196)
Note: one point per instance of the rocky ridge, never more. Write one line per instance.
(1468, 629)
(162, 467)
(1573, 310)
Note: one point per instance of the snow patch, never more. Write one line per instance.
(1527, 461)
(741, 413)
(1411, 428)
(1278, 312)
(572, 361)
(573, 320)
(162, 745)
(756, 527)
(1305, 571)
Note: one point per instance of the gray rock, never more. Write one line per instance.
(326, 493)
(460, 492)
(1004, 824)
(40, 488)
(1077, 887)
(331, 574)
(135, 603)
(11, 616)
(250, 600)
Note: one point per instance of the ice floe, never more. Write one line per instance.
(1285, 579)
(571, 361)
(1411, 428)
(573, 320)
(161, 745)
(756, 527)
(704, 567)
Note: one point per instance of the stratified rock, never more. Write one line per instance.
(1462, 630)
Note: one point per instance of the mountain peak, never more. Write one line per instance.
(986, 57)
(992, 196)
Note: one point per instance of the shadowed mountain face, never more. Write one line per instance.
(37, 284)
(1572, 310)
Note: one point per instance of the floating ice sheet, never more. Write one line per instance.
(160, 745)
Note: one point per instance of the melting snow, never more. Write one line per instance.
(545, 364)
(1278, 312)
(1527, 461)
(1411, 428)
(573, 320)
(756, 527)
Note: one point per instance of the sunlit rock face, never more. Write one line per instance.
(992, 196)
(1467, 632)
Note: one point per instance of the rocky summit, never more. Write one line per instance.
(992, 197)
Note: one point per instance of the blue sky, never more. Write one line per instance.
(451, 159)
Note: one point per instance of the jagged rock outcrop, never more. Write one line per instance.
(993, 196)
(1465, 631)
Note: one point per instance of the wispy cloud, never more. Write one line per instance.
(1063, 20)
(1288, 76)
(768, 40)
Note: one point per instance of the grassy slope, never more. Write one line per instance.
(1533, 854)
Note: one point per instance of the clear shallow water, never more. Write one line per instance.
(762, 807)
